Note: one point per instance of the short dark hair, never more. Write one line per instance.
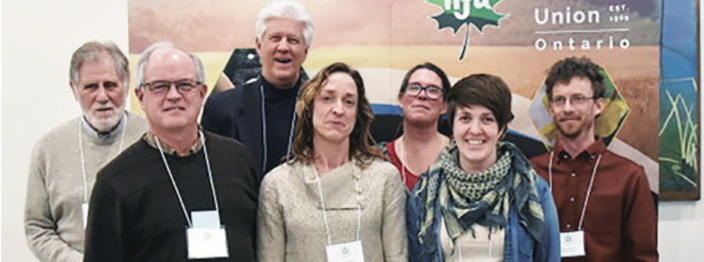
(485, 90)
(564, 70)
(361, 148)
(431, 67)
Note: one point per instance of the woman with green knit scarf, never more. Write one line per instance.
(481, 201)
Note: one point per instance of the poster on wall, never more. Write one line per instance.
(516, 40)
(679, 129)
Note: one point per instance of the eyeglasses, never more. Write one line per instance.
(433, 92)
(163, 87)
(574, 100)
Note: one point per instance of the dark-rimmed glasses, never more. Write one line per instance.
(433, 92)
(162, 87)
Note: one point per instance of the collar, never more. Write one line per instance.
(91, 132)
(589, 154)
(275, 93)
(150, 139)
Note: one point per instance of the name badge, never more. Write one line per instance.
(206, 243)
(207, 238)
(345, 252)
(206, 219)
(572, 244)
(85, 215)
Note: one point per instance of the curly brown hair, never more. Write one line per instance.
(564, 70)
(361, 148)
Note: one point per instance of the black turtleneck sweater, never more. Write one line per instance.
(265, 130)
(280, 105)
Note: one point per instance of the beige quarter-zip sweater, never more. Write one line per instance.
(53, 217)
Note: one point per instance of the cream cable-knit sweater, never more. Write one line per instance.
(290, 221)
(53, 217)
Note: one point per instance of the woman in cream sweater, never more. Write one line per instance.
(335, 199)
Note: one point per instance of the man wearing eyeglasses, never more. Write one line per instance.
(603, 200)
(261, 114)
(65, 161)
(179, 193)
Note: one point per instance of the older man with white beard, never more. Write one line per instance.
(65, 161)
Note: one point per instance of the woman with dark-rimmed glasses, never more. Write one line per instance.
(422, 101)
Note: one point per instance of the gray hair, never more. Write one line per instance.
(287, 10)
(91, 51)
(200, 74)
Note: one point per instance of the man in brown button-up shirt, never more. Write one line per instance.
(595, 190)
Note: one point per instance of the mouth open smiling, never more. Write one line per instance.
(174, 108)
(283, 60)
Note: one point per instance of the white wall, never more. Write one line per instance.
(38, 37)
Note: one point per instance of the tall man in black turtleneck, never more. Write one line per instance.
(261, 114)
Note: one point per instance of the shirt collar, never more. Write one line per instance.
(90, 131)
(591, 153)
(151, 140)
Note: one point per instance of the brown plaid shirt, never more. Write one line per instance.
(151, 140)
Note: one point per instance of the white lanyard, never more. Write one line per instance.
(322, 204)
(290, 134)
(589, 190)
(401, 158)
(173, 181)
(83, 160)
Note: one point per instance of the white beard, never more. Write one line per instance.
(104, 124)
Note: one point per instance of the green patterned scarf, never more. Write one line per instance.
(484, 198)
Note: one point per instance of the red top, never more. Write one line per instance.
(620, 223)
(409, 178)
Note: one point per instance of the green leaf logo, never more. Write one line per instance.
(457, 13)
